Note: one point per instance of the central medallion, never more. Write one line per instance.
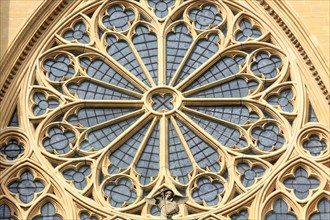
(163, 100)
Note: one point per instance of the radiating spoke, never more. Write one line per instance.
(200, 52)
(227, 134)
(147, 166)
(204, 154)
(236, 114)
(123, 156)
(100, 136)
(179, 163)
(89, 89)
(100, 70)
(231, 88)
(177, 45)
(122, 52)
(226, 66)
(146, 44)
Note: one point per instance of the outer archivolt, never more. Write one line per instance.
(131, 98)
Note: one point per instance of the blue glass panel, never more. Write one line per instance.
(120, 193)
(280, 211)
(177, 45)
(161, 7)
(312, 116)
(14, 119)
(207, 191)
(266, 65)
(78, 176)
(88, 117)
(284, 100)
(42, 104)
(121, 52)
(227, 136)
(100, 70)
(239, 114)
(268, 137)
(78, 33)
(118, 18)
(179, 162)
(204, 154)
(93, 91)
(48, 212)
(146, 44)
(225, 67)
(314, 145)
(5, 213)
(12, 149)
(202, 51)
(160, 102)
(243, 215)
(206, 16)
(247, 31)
(123, 156)
(323, 210)
(100, 138)
(155, 211)
(249, 174)
(59, 68)
(86, 216)
(235, 88)
(26, 187)
(301, 183)
(148, 164)
(58, 141)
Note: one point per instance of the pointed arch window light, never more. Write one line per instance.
(130, 97)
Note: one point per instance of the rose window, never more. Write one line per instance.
(129, 99)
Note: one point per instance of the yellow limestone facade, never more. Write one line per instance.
(71, 181)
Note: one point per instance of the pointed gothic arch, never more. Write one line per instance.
(207, 99)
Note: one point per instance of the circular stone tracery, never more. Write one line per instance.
(141, 135)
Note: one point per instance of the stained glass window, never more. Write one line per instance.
(188, 103)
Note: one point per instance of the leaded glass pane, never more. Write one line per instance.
(121, 51)
(204, 154)
(225, 67)
(14, 119)
(280, 211)
(235, 114)
(148, 164)
(12, 150)
(323, 210)
(100, 70)
(100, 138)
(207, 191)
(48, 211)
(179, 163)
(89, 117)
(122, 157)
(314, 145)
(202, 51)
(145, 43)
(177, 45)
(120, 193)
(26, 187)
(226, 135)
(94, 91)
(235, 88)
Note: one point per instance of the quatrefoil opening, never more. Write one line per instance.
(26, 187)
(118, 18)
(162, 103)
(301, 183)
